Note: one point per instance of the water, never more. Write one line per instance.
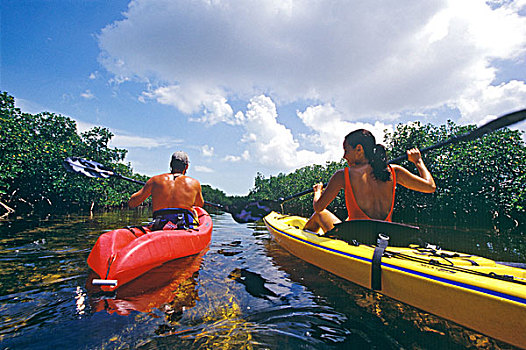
(245, 292)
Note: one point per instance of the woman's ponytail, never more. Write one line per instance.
(374, 153)
(378, 161)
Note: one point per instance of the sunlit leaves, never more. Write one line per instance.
(32, 148)
(477, 181)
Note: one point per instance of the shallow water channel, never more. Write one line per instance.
(244, 292)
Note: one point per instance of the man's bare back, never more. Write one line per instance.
(170, 190)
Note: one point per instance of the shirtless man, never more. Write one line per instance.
(173, 194)
(369, 183)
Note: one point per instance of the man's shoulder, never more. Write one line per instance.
(160, 176)
(170, 177)
(191, 179)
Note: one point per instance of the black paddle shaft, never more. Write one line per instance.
(505, 120)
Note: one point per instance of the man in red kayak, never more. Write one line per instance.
(173, 196)
(369, 183)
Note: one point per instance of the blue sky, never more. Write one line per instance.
(261, 86)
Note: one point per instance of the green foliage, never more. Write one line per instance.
(477, 181)
(215, 196)
(302, 179)
(32, 149)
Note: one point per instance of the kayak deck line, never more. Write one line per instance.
(505, 278)
(409, 271)
(459, 284)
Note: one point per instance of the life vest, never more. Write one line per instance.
(174, 219)
(353, 210)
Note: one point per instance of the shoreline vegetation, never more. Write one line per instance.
(480, 181)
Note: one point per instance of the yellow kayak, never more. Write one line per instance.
(473, 291)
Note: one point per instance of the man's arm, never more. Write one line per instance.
(141, 195)
(199, 200)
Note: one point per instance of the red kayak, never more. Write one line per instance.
(122, 255)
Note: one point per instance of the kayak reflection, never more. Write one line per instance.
(171, 288)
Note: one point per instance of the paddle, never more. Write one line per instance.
(501, 122)
(91, 168)
(257, 210)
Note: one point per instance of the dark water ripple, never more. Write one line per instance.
(245, 292)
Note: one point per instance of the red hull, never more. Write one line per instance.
(170, 286)
(125, 254)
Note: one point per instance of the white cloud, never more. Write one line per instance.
(234, 159)
(492, 102)
(28, 106)
(363, 58)
(83, 126)
(330, 128)
(363, 64)
(203, 169)
(270, 142)
(132, 141)
(122, 139)
(194, 99)
(88, 95)
(207, 151)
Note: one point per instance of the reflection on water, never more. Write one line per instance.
(171, 287)
(253, 282)
(245, 292)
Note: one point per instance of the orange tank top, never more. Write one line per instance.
(353, 210)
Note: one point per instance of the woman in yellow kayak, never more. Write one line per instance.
(369, 183)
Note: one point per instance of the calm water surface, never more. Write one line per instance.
(245, 292)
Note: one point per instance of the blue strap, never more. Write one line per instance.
(182, 218)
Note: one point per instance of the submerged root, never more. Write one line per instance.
(8, 209)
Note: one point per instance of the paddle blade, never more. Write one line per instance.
(85, 167)
(253, 211)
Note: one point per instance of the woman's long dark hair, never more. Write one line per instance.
(374, 153)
